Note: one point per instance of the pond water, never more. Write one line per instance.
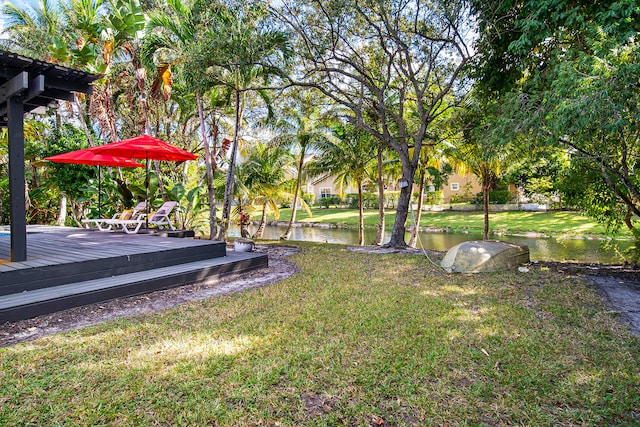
(541, 249)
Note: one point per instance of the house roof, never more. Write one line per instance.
(41, 82)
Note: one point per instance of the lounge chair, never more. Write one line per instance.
(159, 219)
(106, 224)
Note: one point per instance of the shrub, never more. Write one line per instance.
(309, 198)
(435, 197)
(332, 200)
(500, 197)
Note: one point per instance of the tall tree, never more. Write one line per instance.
(348, 157)
(478, 150)
(32, 29)
(382, 56)
(381, 184)
(570, 79)
(302, 131)
(433, 169)
(170, 32)
(121, 62)
(264, 174)
(239, 51)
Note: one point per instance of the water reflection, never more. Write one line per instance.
(542, 249)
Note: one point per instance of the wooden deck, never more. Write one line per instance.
(68, 267)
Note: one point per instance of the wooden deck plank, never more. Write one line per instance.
(30, 297)
(76, 244)
(58, 255)
(63, 255)
(42, 301)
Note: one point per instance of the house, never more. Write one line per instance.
(325, 186)
(460, 188)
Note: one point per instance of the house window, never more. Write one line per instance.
(325, 192)
(455, 186)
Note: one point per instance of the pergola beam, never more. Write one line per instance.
(34, 89)
(14, 86)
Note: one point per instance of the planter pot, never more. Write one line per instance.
(243, 245)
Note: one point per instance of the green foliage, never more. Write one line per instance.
(574, 69)
(435, 197)
(71, 179)
(500, 197)
(353, 339)
(309, 198)
(192, 212)
(584, 189)
(520, 37)
(331, 200)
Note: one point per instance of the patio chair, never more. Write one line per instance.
(106, 224)
(159, 219)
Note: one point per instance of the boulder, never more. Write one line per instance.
(481, 256)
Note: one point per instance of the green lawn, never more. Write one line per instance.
(354, 339)
(560, 223)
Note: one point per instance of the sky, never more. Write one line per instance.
(20, 4)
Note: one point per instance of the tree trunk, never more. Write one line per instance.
(361, 216)
(62, 211)
(485, 199)
(263, 223)
(244, 230)
(156, 165)
(83, 120)
(213, 224)
(294, 206)
(76, 213)
(380, 233)
(228, 189)
(399, 229)
(416, 225)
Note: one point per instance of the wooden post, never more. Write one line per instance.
(15, 112)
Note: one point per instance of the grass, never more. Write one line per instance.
(560, 223)
(353, 339)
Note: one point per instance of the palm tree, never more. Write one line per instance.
(236, 49)
(170, 33)
(432, 166)
(348, 157)
(32, 29)
(302, 132)
(263, 177)
(119, 60)
(476, 152)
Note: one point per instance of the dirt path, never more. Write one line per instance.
(618, 285)
(623, 297)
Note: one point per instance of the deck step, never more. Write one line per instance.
(31, 303)
(29, 279)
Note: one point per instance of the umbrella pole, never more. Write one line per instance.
(146, 218)
(99, 191)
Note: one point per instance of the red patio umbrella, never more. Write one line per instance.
(89, 157)
(146, 147)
